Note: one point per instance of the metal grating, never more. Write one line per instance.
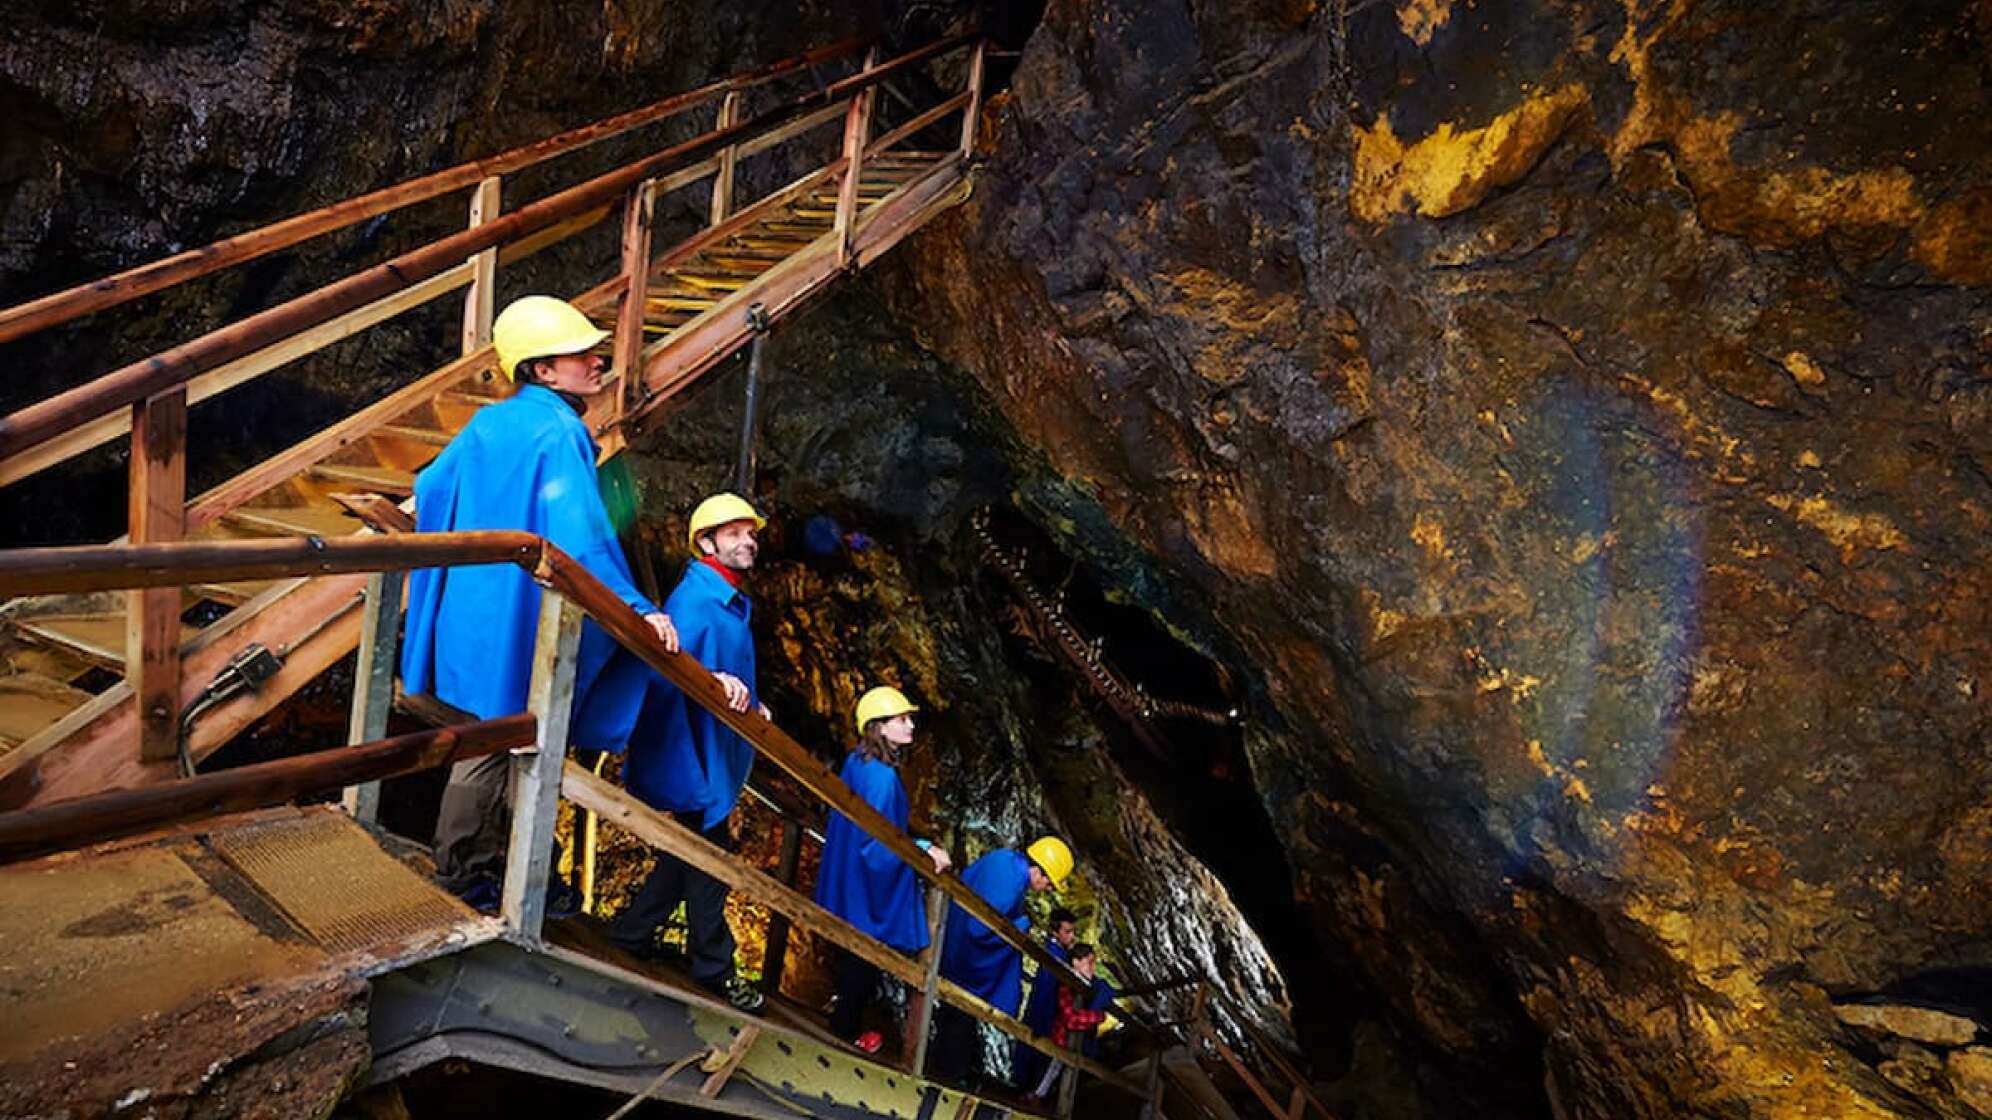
(330, 877)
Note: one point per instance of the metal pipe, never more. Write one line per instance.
(750, 418)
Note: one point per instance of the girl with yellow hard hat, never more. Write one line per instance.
(862, 881)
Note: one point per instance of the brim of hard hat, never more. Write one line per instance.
(579, 344)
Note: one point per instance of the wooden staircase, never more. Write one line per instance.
(69, 724)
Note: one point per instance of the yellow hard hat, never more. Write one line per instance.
(1050, 853)
(883, 702)
(720, 509)
(541, 327)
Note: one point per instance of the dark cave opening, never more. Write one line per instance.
(1173, 722)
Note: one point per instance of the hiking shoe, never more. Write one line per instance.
(742, 995)
(869, 1042)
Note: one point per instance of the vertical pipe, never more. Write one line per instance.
(157, 513)
(536, 776)
(373, 683)
(591, 837)
(774, 961)
(477, 299)
(750, 419)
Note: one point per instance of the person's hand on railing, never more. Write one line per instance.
(736, 691)
(942, 861)
(765, 713)
(660, 625)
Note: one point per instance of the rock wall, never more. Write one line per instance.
(1579, 414)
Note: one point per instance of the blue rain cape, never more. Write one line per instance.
(1043, 1005)
(975, 956)
(681, 758)
(860, 880)
(525, 463)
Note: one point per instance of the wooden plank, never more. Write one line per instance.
(742, 1043)
(920, 1006)
(60, 307)
(102, 816)
(536, 776)
(627, 347)
(623, 810)
(857, 131)
(158, 497)
(373, 683)
(722, 183)
(775, 957)
(477, 301)
(977, 63)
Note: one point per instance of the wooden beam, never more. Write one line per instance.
(977, 64)
(536, 776)
(1244, 1074)
(619, 808)
(104, 816)
(373, 682)
(60, 307)
(857, 132)
(628, 338)
(920, 1006)
(158, 496)
(722, 183)
(885, 142)
(477, 301)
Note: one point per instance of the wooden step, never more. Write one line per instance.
(30, 702)
(414, 434)
(294, 521)
(233, 594)
(712, 281)
(379, 480)
(98, 638)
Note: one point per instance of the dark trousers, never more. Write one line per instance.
(957, 1040)
(857, 985)
(1027, 1065)
(474, 824)
(708, 941)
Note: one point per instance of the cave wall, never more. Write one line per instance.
(1580, 414)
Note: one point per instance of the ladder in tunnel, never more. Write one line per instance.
(95, 689)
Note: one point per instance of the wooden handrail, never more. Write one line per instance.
(110, 291)
(121, 812)
(163, 371)
(111, 567)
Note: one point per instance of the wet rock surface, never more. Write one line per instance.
(1575, 413)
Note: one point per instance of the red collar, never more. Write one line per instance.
(731, 577)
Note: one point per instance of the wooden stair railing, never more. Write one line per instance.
(81, 680)
(572, 593)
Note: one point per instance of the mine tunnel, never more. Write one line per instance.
(1306, 558)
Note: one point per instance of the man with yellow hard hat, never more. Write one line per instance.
(684, 761)
(976, 957)
(525, 463)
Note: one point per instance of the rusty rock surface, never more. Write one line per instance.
(1580, 414)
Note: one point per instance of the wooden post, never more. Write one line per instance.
(776, 956)
(857, 133)
(1297, 1104)
(971, 115)
(158, 514)
(722, 180)
(483, 270)
(920, 1009)
(373, 682)
(1151, 1108)
(536, 776)
(637, 212)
